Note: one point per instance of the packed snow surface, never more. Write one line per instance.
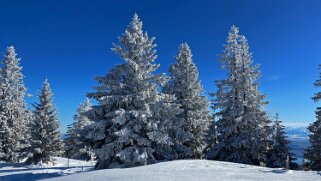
(181, 170)
(192, 170)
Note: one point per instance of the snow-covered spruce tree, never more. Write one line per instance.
(280, 149)
(129, 120)
(24, 151)
(242, 126)
(210, 136)
(186, 87)
(13, 117)
(76, 146)
(45, 138)
(312, 154)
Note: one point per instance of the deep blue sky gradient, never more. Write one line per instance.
(69, 42)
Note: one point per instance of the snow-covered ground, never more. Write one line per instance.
(181, 170)
(20, 172)
(192, 170)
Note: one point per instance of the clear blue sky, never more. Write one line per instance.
(69, 42)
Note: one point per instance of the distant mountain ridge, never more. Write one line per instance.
(296, 132)
(299, 140)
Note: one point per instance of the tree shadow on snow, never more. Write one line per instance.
(279, 171)
(44, 168)
(29, 176)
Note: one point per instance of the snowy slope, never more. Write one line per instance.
(182, 170)
(20, 172)
(192, 170)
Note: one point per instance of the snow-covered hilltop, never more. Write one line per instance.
(185, 170)
(178, 170)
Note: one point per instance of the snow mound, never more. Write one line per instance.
(193, 170)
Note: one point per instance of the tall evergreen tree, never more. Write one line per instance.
(13, 117)
(76, 143)
(24, 151)
(210, 136)
(280, 145)
(312, 154)
(242, 126)
(45, 137)
(186, 87)
(129, 119)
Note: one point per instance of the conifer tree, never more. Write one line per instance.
(129, 121)
(210, 136)
(24, 151)
(242, 126)
(313, 152)
(45, 138)
(280, 145)
(186, 87)
(13, 118)
(76, 146)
